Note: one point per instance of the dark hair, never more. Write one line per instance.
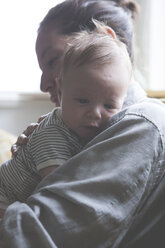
(75, 15)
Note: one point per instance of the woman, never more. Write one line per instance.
(69, 17)
(94, 198)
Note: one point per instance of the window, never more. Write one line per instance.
(19, 21)
(150, 41)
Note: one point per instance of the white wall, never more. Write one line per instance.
(16, 112)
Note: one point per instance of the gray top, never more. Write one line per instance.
(92, 200)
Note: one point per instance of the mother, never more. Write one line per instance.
(72, 16)
(92, 200)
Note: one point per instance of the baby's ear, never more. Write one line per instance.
(111, 32)
(102, 28)
(59, 94)
(58, 88)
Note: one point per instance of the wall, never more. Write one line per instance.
(17, 111)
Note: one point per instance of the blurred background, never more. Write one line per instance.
(21, 101)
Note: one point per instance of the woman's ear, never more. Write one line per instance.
(111, 32)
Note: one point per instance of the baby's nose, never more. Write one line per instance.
(95, 113)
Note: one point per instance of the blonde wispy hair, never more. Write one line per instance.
(96, 47)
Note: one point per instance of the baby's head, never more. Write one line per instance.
(96, 72)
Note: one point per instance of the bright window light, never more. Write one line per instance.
(19, 21)
(157, 46)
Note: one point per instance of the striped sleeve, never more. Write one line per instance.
(53, 143)
(17, 180)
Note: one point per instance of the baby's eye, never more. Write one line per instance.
(82, 100)
(108, 106)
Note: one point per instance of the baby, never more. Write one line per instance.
(96, 72)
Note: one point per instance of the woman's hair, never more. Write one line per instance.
(97, 47)
(75, 15)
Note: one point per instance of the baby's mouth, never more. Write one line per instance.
(93, 125)
(93, 129)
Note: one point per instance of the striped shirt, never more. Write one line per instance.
(52, 143)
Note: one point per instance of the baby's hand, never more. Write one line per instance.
(23, 138)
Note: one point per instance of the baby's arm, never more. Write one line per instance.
(17, 180)
(2, 212)
(4, 202)
(46, 171)
(3, 205)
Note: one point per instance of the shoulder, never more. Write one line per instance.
(141, 124)
(54, 118)
(151, 110)
(45, 124)
(52, 129)
(145, 118)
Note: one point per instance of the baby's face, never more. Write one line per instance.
(90, 96)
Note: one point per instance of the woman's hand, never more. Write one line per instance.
(23, 138)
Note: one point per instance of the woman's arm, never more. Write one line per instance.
(92, 200)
